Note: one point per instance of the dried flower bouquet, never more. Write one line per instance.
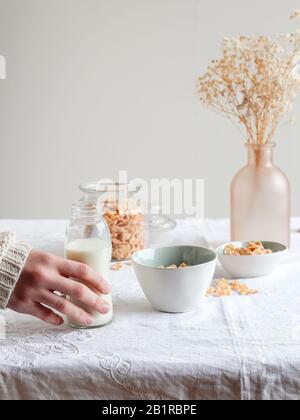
(255, 82)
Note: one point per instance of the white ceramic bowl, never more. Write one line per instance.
(250, 266)
(179, 290)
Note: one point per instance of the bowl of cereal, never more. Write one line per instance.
(249, 259)
(175, 279)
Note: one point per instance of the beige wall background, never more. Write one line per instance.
(94, 86)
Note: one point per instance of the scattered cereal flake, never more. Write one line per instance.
(210, 292)
(226, 288)
(117, 267)
(129, 263)
(235, 285)
(242, 289)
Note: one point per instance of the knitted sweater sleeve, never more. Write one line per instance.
(13, 256)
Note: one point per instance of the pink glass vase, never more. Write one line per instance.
(260, 199)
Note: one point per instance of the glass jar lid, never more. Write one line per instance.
(158, 221)
(161, 223)
(96, 187)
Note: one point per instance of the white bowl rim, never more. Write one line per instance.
(220, 249)
(190, 267)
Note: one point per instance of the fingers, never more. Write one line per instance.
(85, 274)
(81, 293)
(45, 314)
(73, 312)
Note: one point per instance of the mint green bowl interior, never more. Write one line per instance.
(191, 255)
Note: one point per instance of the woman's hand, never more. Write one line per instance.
(45, 273)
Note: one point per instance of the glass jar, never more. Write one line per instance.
(124, 213)
(260, 199)
(88, 241)
(160, 225)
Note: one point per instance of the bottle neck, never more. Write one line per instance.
(87, 211)
(260, 154)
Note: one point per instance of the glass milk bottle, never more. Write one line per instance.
(88, 241)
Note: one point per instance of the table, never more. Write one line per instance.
(236, 348)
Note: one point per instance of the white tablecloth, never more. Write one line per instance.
(233, 348)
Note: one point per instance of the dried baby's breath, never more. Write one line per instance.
(295, 15)
(255, 82)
